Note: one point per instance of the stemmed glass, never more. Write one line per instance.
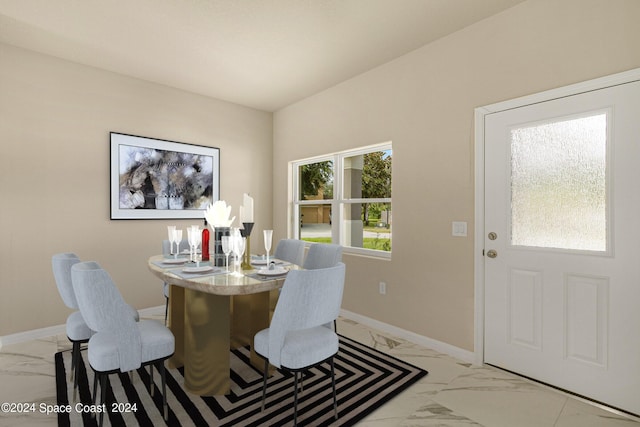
(238, 246)
(226, 248)
(171, 231)
(197, 239)
(194, 236)
(177, 238)
(190, 241)
(268, 235)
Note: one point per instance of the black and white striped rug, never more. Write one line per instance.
(365, 380)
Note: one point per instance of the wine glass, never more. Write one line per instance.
(197, 239)
(233, 240)
(193, 236)
(240, 246)
(268, 235)
(226, 248)
(190, 241)
(171, 231)
(177, 238)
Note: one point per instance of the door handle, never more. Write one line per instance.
(492, 253)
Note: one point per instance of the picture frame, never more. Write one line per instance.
(160, 179)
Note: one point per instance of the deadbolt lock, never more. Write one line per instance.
(491, 253)
(493, 236)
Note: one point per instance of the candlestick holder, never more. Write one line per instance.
(246, 232)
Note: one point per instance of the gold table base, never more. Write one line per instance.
(206, 326)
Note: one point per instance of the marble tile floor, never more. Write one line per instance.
(454, 393)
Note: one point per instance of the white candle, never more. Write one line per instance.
(248, 208)
(242, 215)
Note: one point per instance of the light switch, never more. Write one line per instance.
(459, 229)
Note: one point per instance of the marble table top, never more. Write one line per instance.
(231, 283)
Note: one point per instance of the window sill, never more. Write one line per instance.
(367, 253)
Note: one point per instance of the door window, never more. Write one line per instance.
(559, 184)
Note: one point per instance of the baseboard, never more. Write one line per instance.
(442, 347)
(152, 311)
(49, 331)
(34, 334)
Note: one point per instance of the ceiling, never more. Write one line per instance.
(264, 54)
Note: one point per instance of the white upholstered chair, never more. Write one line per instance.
(77, 330)
(119, 344)
(322, 255)
(297, 338)
(290, 250)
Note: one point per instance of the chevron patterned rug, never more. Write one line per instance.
(365, 380)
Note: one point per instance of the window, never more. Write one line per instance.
(559, 184)
(345, 198)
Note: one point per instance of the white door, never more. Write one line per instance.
(562, 219)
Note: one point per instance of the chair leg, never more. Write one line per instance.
(295, 398)
(95, 386)
(75, 362)
(151, 387)
(75, 350)
(104, 379)
(333, 384)
(264, 382)
(164, 389)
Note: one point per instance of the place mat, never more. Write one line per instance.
(258, 276)
(184, 275)
(168, 265)
(258, 260)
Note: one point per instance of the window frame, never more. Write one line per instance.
(339, 201)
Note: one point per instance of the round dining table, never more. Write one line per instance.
(211, 311)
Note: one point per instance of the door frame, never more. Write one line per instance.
(479, 147)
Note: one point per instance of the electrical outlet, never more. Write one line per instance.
(382, 287)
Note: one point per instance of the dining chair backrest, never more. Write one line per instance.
(290, 250)
(322, 255)
(62, 264)
(104, 310)
(309, 298)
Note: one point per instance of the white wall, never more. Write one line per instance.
(424, 102)
(55, 119)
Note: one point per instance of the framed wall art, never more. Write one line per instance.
(159, 179)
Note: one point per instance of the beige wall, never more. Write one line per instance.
(55, 119)
(424, 102)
